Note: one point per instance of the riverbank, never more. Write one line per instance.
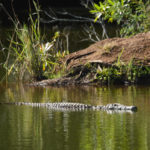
(110, 61)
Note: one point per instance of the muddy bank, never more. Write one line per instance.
(118, 57)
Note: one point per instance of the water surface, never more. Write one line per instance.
(26, 128)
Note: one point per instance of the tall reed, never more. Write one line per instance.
(29, 55)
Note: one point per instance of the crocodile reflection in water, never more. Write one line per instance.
(77, 106)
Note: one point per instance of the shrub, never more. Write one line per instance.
(132, 15)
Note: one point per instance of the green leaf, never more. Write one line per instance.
(110, 20)
(122, 2)
(96, 6)
(93, 11)
(111, 2)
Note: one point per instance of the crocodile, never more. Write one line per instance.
(76, 106)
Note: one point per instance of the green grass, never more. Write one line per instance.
(30, 54)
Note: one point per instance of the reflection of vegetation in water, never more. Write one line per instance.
(89, 130)
(23, 128)
(88, 95)
(19, 92)
(111, 132)
(69, 130)
(127, 95)
(40, 128)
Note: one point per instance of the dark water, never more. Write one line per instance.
(27, 128)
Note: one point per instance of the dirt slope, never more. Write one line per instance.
(135, 48)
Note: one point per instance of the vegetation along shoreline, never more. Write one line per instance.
(110, 61)
(123, 60)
